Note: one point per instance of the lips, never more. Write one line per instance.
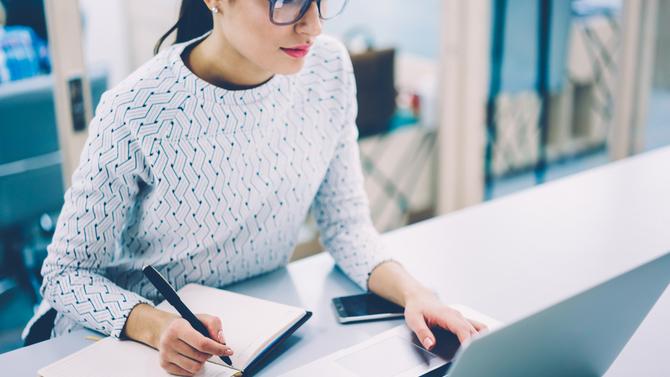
(297, 51)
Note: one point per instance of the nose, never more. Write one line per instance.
(310, 23)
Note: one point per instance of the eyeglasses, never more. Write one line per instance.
(289, 12)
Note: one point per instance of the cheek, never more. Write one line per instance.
(261, 46)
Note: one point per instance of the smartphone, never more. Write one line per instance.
(365, 307)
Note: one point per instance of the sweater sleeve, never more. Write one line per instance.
(341, 206)
(105, 185)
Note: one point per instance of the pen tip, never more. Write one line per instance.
(227, 360)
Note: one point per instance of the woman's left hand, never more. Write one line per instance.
(424, 310)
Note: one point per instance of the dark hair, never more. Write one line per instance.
(194, 20)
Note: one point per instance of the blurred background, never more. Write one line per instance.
(460, 102)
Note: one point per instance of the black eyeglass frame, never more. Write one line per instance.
(303, 11)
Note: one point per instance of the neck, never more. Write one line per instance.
(217, 62)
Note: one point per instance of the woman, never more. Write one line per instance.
(204, 163)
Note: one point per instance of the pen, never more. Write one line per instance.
(171, 296)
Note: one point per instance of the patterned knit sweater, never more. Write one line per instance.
(208, 185)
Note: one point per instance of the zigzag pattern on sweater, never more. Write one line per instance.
(208, 185)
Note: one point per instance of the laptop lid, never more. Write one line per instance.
(580, 336)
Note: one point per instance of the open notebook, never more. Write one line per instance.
(252, 327)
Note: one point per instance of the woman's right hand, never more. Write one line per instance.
(183, 350)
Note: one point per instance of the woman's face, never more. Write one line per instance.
(246, 26)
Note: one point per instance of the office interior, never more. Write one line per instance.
(454, 111)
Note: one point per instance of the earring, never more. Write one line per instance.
(215, 10)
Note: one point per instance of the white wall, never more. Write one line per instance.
(105, 27)
(411, 26)
(148, 21)
(120, 34)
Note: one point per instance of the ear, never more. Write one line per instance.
(213, 5)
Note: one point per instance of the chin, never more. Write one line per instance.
(290, 67)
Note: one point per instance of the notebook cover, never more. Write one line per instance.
(259, 361)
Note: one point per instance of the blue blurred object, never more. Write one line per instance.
(34, 251)
(29, 13)
(31, 184)
(23, 54)
(521, 47)
(31, 181)
(30, 161)
(588, 8)
(403, 118)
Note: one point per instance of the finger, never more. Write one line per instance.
(200, 342)
(468, 333)
(189, 365)
(479, 326)
(417, 324)
(190, 352)
(457, 325)
(214, 326)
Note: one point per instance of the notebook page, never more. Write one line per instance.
(249, 324)
(111, 357)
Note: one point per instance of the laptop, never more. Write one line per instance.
(579, 336)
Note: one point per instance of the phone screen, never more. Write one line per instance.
(368, 304)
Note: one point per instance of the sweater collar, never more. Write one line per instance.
(206, 91)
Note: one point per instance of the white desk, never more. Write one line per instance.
(506, 258)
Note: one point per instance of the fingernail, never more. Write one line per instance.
(427, 342)
(229, 352)
(220, 335)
